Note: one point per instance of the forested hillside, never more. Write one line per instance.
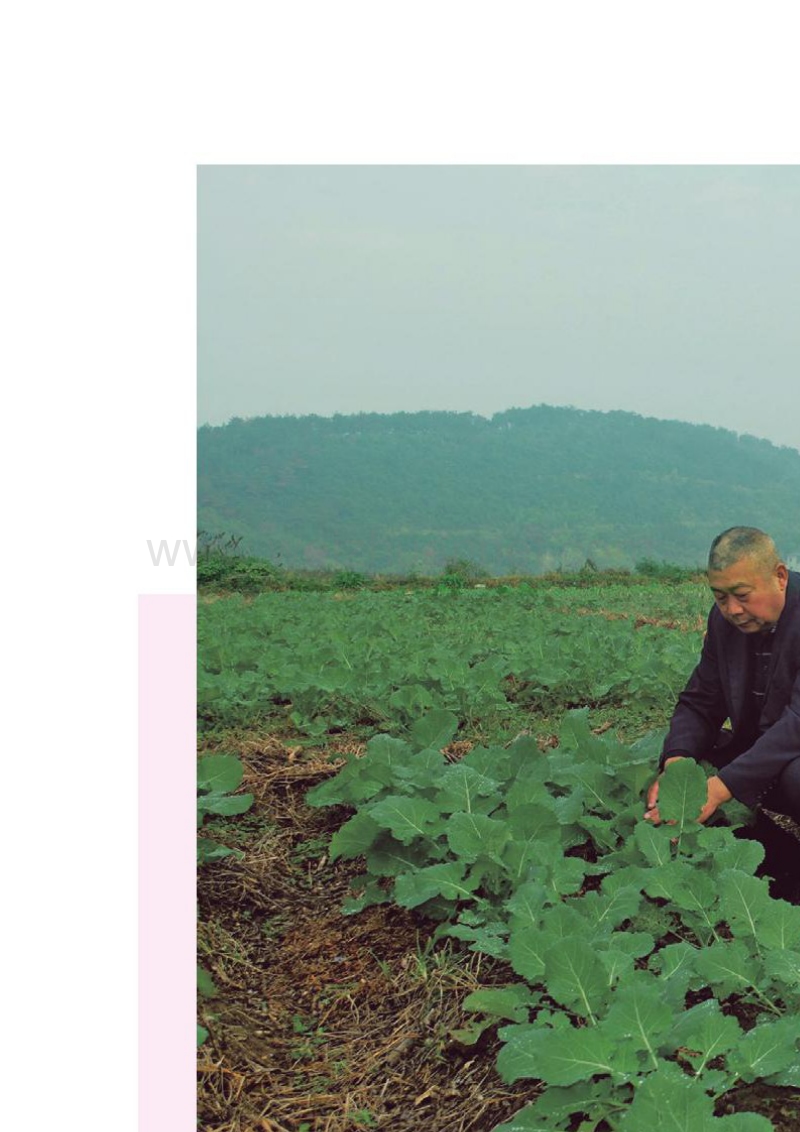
(528, 491)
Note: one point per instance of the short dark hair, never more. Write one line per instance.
(743, 542)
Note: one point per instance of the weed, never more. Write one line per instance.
(310, 1037)
(364, 1117)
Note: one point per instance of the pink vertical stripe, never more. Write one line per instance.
(167, 917)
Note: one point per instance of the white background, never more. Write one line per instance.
(109, 108)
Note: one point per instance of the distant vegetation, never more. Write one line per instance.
(528, 492)
(222, 569)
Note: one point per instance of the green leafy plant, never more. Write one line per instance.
(381, 660)
(610, 925)
(217, 777)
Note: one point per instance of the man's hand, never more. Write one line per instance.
(651, 813)
(718, 793)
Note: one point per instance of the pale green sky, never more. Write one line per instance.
(670, 291)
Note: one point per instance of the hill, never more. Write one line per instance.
(527, 491)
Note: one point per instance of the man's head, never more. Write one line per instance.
(748, 578)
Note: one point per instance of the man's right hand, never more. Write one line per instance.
(651, 813)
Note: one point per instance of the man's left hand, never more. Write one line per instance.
(718, 793)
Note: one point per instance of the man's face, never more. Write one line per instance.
(748, 596)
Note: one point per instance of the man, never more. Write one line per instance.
(749, 673)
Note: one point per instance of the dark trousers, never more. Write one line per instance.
(781, 846)
(783, 796)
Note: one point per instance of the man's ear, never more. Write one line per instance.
(782, 574)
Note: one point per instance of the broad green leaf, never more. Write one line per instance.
(766, 1049)
(527, 905)
(434, 730)
(704, 1033)
(557, 1057)
(740, 854)
(511, 1002)
(522, 859)
(332, 791)
(385, 750)
(675, 962)
(660, 881)
(669, 1099)
(482, 939)
(525, 754)
(646, 750)
(560, 1102)
(491, 762)
(742, 1122)
(713, 841)
(744, 902)
(534, 856)
(682, 794)
(623, 877)
(474, 835)
(418, 771)
(388, 857)
(575, 977)
(605, 834)
(695, 891)
(778, 925)
(597, 786)
(407, 818)
(411, 699)
(461, 787)
(639, 1014)
(528, 788)
(447, 880)
(784, 966)
(789, 1077)
(357, 781)
(202, 1034)
(727, 967)
(534, 821)
(208, 850)
(607, 911)
(566, 875)
(575, 733)
(355, 837)
(638, 776)
(570, 807)
(225, 804)
(653, 841)
(564, 921)
(618, 964)
(526, 950)
(219, 773)
(637, 944)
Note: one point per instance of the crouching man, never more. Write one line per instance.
(749, 673)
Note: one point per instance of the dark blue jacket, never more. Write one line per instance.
(718, 690)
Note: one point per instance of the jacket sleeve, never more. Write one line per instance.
(701, 709)
(750, 775)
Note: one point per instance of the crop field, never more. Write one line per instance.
(426, 896)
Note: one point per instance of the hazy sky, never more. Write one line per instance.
(670, 291)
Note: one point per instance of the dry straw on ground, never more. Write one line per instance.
(323, 1021)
